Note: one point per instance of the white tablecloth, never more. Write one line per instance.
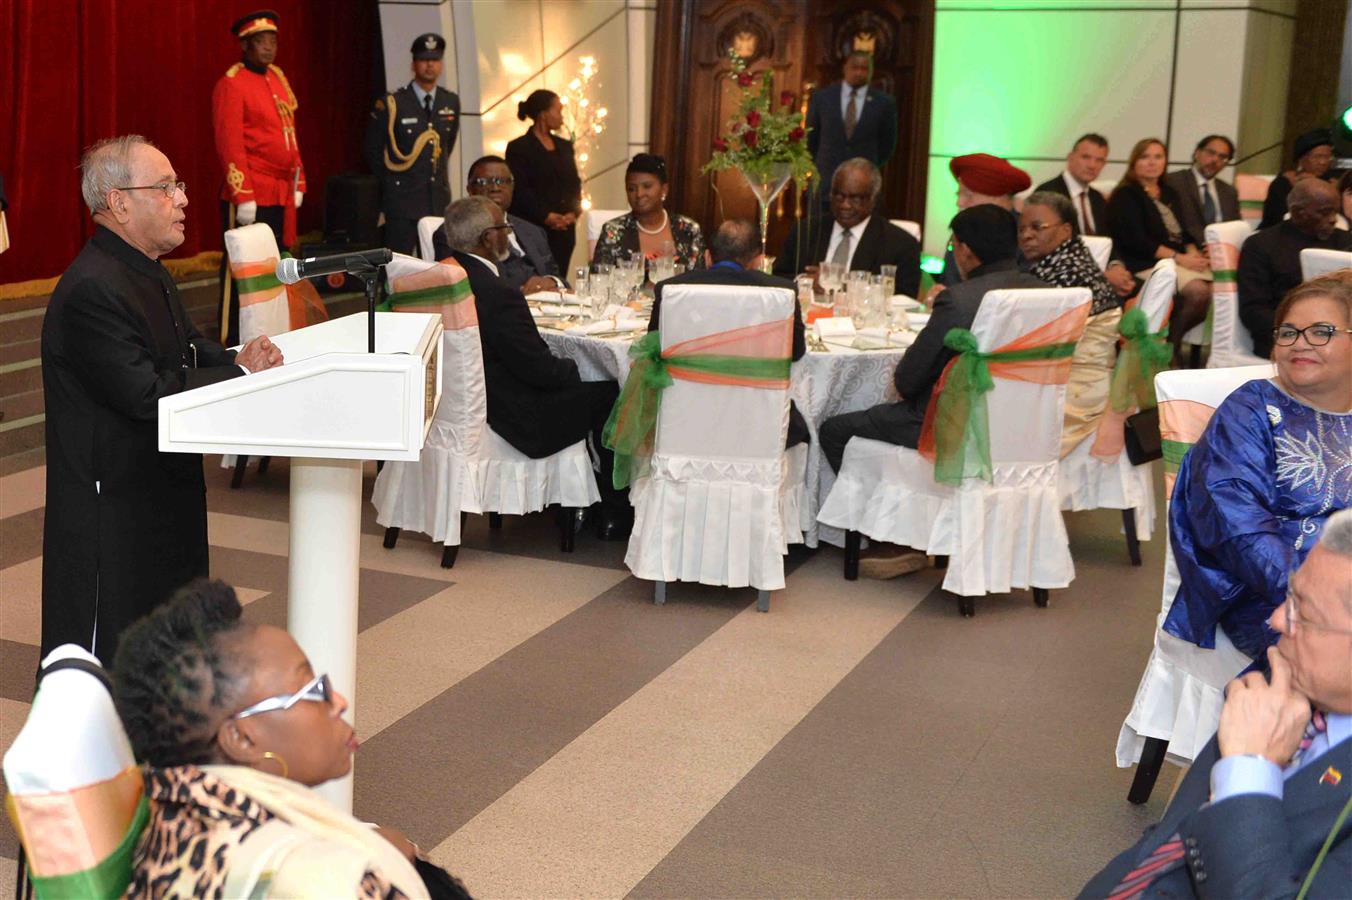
(823, 385)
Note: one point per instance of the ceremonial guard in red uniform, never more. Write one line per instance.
(408, 144)
(253, 110)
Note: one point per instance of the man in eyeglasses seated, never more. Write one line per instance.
(537, 402)
(1263, 810)
(858, 234)
(1269, 262)
(531, 266)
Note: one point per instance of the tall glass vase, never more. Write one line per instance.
(766, 187)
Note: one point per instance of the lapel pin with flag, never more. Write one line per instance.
(1331, 777)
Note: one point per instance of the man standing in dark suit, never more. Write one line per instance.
(1203, 198)
(536, 401)
(126, 524)
(530, 266)
(985, 244)
(848, 119)
(408, 143)
(1084, 163)
(1263, 812)
(854, 236)
(733, 253)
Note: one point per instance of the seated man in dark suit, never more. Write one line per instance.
(1265, 795)
(1203, 199)
(984, 246)
(734, 252)
(848, 119)
(1269, 262)
(1084, 163)
(536, 401)
(531, 266)
(982, 180)
(855, 235)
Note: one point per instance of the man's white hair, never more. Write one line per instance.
(1337, 536)
(106, 166)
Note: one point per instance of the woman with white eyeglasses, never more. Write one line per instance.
(235, 728)
(1275, 462)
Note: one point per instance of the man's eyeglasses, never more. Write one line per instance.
(1295, 622)
(492, 182)
(1317, 335)
(1036, 227)
(502, 227)
(317, 691)
(169, 188)
(855, 199)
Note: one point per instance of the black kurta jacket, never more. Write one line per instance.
(125, 523)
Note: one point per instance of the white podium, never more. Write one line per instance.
(331, 406)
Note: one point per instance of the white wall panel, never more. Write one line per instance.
(1009, 82)
(1211, 64)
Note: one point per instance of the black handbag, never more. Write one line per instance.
(1142, 436)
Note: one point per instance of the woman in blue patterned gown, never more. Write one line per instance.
(1274, 463)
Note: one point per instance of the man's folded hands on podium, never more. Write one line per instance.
(259, 354)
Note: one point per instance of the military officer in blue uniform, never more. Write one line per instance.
(408, 142)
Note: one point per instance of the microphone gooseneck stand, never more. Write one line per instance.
(373, 277)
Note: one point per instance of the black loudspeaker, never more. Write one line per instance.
(352, 211)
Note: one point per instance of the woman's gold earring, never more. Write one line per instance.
(281, 761)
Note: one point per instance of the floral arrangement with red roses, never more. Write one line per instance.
(767, 130)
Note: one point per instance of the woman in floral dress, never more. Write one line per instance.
(648, 228)
(1274, 463)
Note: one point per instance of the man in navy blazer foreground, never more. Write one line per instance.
(848, 118)
(1274, 785)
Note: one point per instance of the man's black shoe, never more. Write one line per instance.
(614, 525)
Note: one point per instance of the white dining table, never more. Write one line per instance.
(822, 383)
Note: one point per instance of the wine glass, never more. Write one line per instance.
(832, 277)
(889, 276)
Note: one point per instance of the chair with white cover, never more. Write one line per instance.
(596, 219)
(1100, 247)
(1003, 533)
(709, 504)
(906, 225)
(1178, 701)
(265, 304)
(1252, 191)
(427, 229)
(464, 466)
(1231, 343)
(1096, 474)
(432, 494)
(1315, 262)
(76, 794)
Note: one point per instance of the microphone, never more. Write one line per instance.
(291, 270)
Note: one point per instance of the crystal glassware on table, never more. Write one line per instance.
(889, 277)
(832, 278)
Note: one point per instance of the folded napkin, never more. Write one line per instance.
(602, 326)
(901, 301)
(869, 338)
(918, 320)
(834, 327)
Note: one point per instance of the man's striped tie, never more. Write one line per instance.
(1167, 857)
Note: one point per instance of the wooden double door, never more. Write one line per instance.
(804, 43)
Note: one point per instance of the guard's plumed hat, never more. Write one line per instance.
(255, 22)
(988, 174)
(428, 46)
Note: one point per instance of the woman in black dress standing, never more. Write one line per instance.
(548, 189)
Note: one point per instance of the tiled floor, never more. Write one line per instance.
(535, 719)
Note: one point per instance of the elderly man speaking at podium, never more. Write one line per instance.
(126, 525)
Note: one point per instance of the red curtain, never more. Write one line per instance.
(75, 71)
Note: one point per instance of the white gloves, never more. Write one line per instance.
(299, 198)
(246, 213)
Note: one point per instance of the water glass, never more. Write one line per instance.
(889, 280)
(832, 278)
